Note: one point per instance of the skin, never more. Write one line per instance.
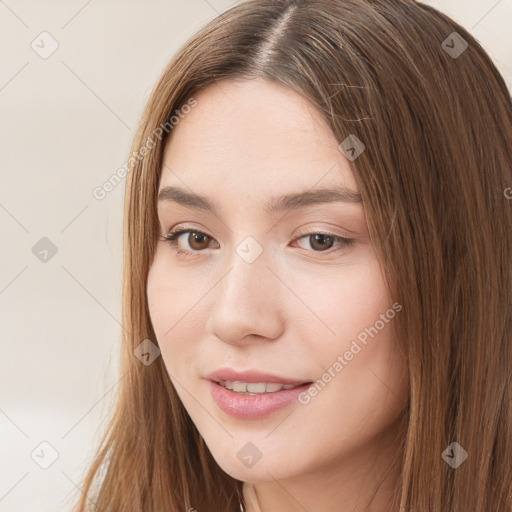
(291, 312)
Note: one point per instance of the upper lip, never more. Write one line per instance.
(224, 374)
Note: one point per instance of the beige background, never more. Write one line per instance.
(66, 125)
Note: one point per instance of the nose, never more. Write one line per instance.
(246, 305)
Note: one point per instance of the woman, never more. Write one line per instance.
(317, 290)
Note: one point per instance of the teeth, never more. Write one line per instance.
(255, 388)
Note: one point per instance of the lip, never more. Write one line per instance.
(251, 376)
(256, 406)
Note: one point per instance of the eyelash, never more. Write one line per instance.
(172, 237)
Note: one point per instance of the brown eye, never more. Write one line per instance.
(196, 240)
(321, 242)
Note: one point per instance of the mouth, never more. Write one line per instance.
(254, 379)
(255, 400)
(257, 388)
(252, 393)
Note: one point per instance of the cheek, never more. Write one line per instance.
(345, 302)
(163, 306)
(360, 368)
(176, 313)
(169, 296)
(352, 339)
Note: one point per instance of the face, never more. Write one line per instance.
(291, 294)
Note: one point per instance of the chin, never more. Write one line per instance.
(236, 463)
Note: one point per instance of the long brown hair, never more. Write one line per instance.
(435, 117)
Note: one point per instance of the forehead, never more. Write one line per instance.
(253, 138)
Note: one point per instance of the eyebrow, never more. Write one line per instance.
(276, 204)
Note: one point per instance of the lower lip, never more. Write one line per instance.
(254, 406)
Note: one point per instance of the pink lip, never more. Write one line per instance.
(254, 406)
(250, 376)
